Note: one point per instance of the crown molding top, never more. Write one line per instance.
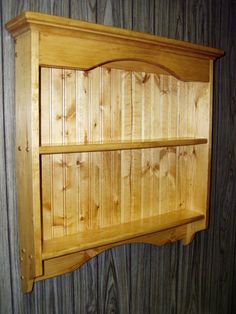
(38, 21)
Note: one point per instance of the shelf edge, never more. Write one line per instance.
(112, 146)
(59, 246)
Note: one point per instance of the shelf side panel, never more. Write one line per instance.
(27, 156)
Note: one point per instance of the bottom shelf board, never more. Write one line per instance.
(117, 233)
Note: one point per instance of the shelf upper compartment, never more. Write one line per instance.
(119, 145)
(113, 234)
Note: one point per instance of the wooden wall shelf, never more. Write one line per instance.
(113, 134)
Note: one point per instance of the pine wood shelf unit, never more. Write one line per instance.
(113, 135)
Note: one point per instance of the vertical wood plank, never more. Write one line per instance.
(82, 118)
(46, 161)
(71, 179)
(164, 271)
(115, 13)
(140, 277)
(196, 21)
(146, 162)
(106, 157)
(162, 17)
(8, 10)
(116, 135)
(155, 133)
(136, 130)
(6, 302)
(182, 158)
(82, 109)
(58, 165)
(172, 132)
(224, 220)
(95, 159)
(84, 10)
(27, 157)
(126, 134)
(113, 278)
(143, 11)
(85, 293)
(164, 162)
(60, 8)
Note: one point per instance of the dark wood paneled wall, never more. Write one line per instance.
(139, 278)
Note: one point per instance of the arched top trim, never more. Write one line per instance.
(137, 65)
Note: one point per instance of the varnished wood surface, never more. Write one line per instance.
(49, 24)
(105, 110)
(66, 263)
(137, 278)
(27, 161)
(119, 145)
(114, 234)
(102, 44)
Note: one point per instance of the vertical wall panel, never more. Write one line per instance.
(139, 278)
(115, 13)
(5, 272)
(224, 201)
(84, 10)
(10, 9)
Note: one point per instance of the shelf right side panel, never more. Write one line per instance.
(92, 190)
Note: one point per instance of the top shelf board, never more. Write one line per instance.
(119, 145)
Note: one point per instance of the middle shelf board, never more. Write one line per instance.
(114, 234)
(119, 145)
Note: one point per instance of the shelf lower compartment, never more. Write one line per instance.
(113, 234)
(119, 145)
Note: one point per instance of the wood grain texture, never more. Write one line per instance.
(27, 157)
(225, 198)
(120, 145)
(84, 10)
(140, 254)
(5, 273)
(125, 232)
(113, 280)
(106, 111)
(85, 294)
(196, 279)
(8, 80)
(111, 284)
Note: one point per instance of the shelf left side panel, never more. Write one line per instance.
(27, 157)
